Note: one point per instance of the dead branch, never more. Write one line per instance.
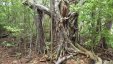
(38, 6)
(60, 60)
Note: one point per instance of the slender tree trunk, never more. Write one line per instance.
(40, 40)
(40, 34)
(53, 23)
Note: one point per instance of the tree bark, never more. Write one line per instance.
(38, 11)
(40, 34)
(38, 6)
(53, 22)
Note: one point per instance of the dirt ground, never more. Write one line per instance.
(10, 55)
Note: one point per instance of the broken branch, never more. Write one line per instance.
(38, 6)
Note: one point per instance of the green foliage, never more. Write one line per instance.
(9, 44)
(19, 20)
(16, 18)
(91, 13)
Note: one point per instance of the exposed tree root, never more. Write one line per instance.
(60, 60)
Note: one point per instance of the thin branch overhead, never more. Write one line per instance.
(38, 6)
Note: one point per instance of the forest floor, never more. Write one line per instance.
(7, 58)
(9, 55)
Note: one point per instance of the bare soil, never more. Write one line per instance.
(10, 55)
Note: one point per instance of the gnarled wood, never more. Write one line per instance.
(38, 6)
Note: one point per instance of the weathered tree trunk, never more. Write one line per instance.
(40, 34)
(38, 10)
(53, 23)
(73, 32)
(59, 33)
